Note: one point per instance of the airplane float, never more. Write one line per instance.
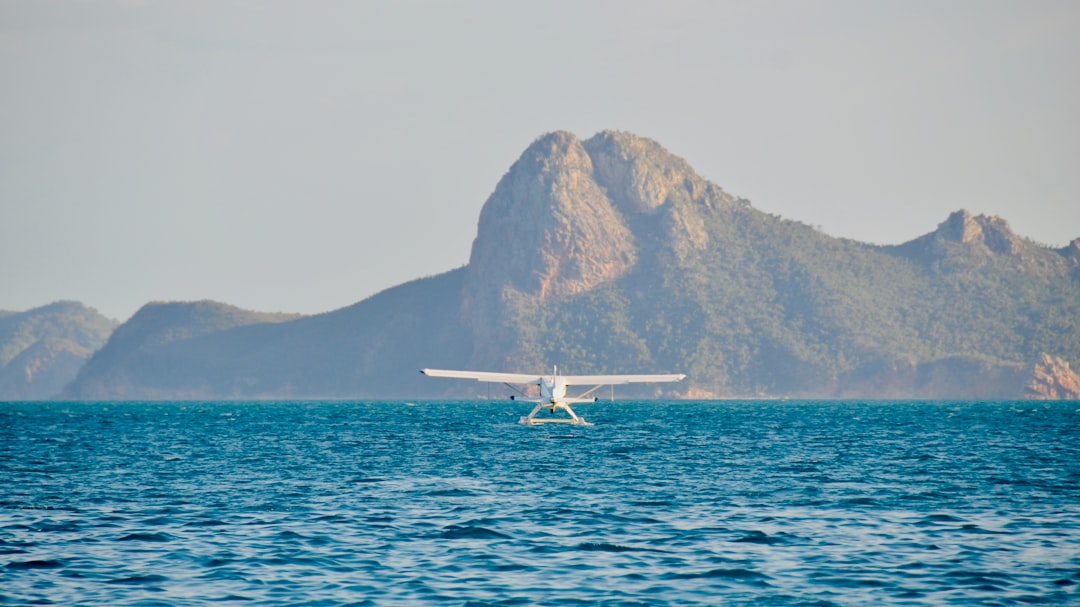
(553, 389)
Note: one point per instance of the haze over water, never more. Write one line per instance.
(680, 503)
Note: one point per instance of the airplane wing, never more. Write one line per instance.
(501, 378)
(605, 380)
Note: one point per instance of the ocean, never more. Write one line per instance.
(454, 503)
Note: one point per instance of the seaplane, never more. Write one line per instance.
(553, 389)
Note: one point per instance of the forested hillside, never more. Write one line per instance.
(42, 349)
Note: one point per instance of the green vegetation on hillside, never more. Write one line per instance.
(42, 349)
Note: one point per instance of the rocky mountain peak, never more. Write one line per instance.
(549, 229)
(557, 223)
(639, 174)
(963, 239)
(1072, 250)
(992, 232)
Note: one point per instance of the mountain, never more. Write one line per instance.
(138, 361)
(41, 350)
(211, 350)
(613, 255)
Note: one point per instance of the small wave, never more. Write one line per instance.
(449, 493)
(986, 580)
(653, 503)
(860, 501)
(158, 521)
(139, 579)
(605, 547)
(1064, 582)
(231, 597)
(206, 523)
(738, 574)
(333, 518)
(457, 532)
(146, 537)
(507, 567)
(759, 537)
(854, 582)
(24, 506)
(942, 518)
(50, 526)
(977, 530)
(36, 564)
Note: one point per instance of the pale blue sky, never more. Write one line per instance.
(301, 156)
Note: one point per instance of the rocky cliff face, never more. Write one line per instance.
(1051, 378)
(549, 229)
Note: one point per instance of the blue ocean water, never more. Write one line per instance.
(680, 503)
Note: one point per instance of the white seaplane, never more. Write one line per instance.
(553, 389)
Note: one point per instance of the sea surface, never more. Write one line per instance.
(435, 503)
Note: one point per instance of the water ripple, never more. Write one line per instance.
(331, 503)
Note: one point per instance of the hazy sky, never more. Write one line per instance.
(302, 156)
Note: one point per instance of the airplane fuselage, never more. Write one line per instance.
(552, 389)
